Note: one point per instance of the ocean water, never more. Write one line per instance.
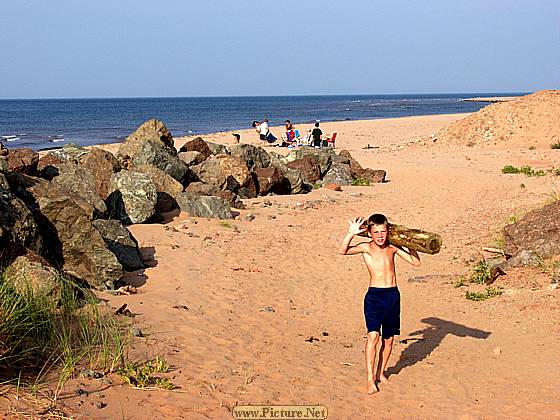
(48, 123)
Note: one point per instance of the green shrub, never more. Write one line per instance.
(555, 145)
(361, 182)
(481, 273)
(490, 292)
(141, 375)
(527, 170)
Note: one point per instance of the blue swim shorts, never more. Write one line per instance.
(382, 310)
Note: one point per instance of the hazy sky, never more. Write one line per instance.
(112, 48)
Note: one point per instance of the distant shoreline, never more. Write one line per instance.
(492, 99)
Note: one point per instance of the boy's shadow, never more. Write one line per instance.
(433, 335)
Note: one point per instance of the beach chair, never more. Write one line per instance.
(331, 140)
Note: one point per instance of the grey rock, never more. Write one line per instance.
(120, 242)
(150, 153)
(255, 157)
(339, 173)
(204, 206)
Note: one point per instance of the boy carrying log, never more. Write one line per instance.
(382, 302)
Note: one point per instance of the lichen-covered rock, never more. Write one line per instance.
(120, 242)
(132, 197)
(70, 152)
(204, 206)
(167, 188)
(32, 274)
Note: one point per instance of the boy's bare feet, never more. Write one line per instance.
(383, 379)
(371, 387)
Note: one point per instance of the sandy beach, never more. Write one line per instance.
(235, 307)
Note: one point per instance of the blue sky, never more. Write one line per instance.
(131, 48)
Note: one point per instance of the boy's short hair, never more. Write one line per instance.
(316, 124)
(377, 219)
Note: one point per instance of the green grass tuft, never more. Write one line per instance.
(555, 145)
(360, 182)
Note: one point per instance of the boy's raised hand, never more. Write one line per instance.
(356, 226)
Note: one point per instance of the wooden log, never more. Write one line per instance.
(419, 240)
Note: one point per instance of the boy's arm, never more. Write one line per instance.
(410, 256)
(354, 229)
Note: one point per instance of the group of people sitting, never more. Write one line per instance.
(291, 137)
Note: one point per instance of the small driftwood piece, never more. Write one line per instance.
(495, 251)
(419, 240)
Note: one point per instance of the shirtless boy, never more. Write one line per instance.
(382, 303)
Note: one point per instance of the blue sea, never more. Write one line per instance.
(47, 123)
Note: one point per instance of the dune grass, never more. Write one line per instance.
(43, 335)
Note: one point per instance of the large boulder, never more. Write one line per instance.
(272, 181)
(132, 197)
(204, 206)
(23, 161)
(217, 148)
(255, 157)
(323, 155)
(167, 188)
(81, 182)
(18, 228)
(538, 232)
(102, 164)
(32, 274)
(47, 166)
(357, 171)
(196, 145)
(153, 131)
(309, 168)
(205, 189)
(164, 158)
(339, 173)
(72, 243)
(192, 157)
(120, 242)
(227, 173)
(70, 152)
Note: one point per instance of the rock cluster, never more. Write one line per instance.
(69, 207)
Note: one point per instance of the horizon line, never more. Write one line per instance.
(518, 93)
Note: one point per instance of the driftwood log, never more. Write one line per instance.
(419, 240)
